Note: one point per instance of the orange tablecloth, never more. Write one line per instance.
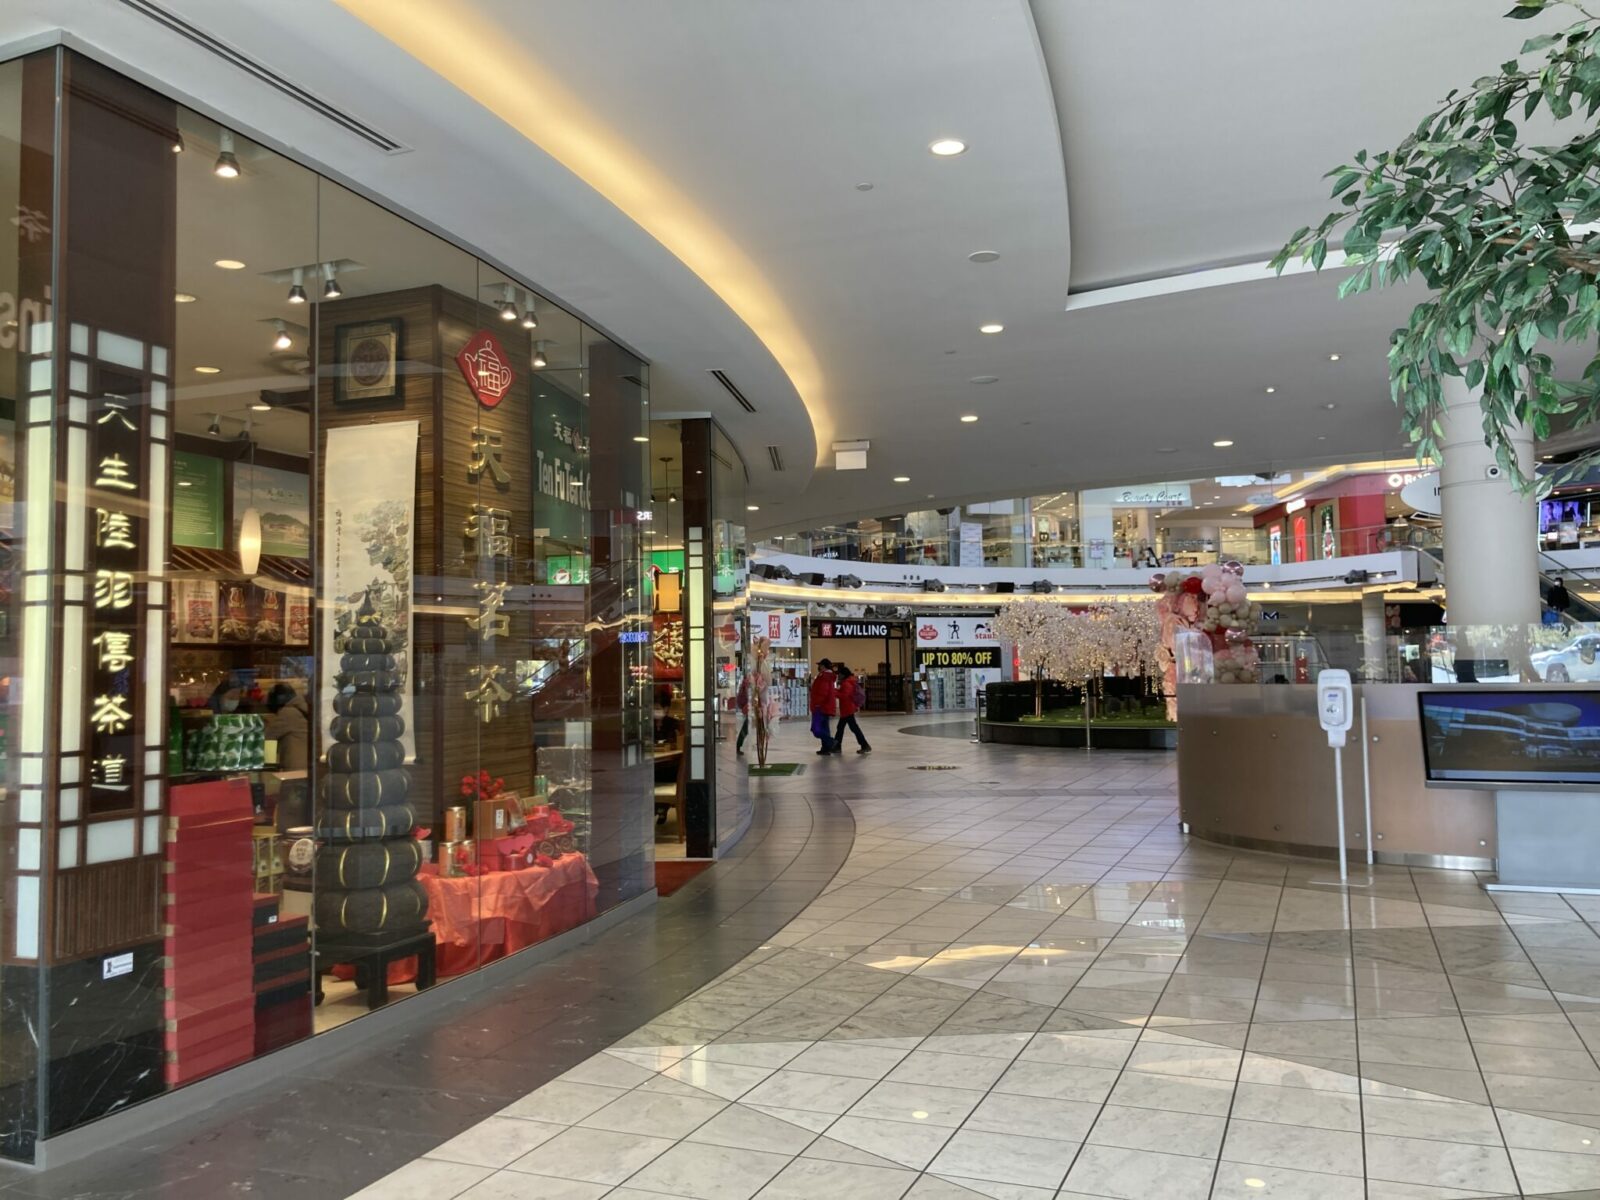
(480, 918)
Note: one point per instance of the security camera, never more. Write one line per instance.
(1492, 471)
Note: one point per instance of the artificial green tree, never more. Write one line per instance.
(1504, 234)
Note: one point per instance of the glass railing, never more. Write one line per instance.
(1251, 547)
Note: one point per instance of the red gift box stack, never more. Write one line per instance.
(210, 1000)
(281, 961)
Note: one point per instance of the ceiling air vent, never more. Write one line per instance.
(776, 456)
(266, 75)
(733, 390)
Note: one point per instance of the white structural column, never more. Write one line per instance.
(1374, 638)
(1490, 528)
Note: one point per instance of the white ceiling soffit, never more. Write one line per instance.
(1197, 135)
(467, 173)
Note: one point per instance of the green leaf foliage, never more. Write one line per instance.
(1498, 231)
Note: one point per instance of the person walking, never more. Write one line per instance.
(824, 705)
(852, 699)
(741, 701)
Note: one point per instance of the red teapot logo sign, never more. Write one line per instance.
(486, 369)
(928, 633)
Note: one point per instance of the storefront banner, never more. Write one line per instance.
(561, 465)
(980, 658)
(197, 500)
(956, 631)
(784, 630)
(283, 498)
(368, 520)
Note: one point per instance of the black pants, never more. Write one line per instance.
(851, 724)
(744, 732)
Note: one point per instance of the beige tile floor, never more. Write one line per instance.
(1026, 984)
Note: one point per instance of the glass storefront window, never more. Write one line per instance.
(328, 564)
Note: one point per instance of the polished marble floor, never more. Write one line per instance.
(1025, 983)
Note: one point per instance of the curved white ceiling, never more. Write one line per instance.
(687, 175)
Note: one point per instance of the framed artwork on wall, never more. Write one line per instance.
(366, 359)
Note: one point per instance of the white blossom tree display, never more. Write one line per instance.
(1035, 628)
(1074, 645)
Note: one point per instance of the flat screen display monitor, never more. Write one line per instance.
(1485, 737)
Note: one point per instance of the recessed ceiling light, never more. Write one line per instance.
(1222, 443)
(863, 187)
(991, 327)
(230, 264)
(752, 508)
(902, 479)
(185, 483)
(1270, 390)
(1333, 358)
(948, 147)
(1330, 406)
(1255, 1183)
(207, 370)
(261, 406)
(969, 418)
(983, 256)
(639, 437)
(984, 379)
(184, 298)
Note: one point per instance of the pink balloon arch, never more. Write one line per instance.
(1211, 602)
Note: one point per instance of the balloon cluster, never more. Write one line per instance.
(1212, 601)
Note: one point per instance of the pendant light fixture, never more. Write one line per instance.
(530, 319)
(539, 360)
(227, 164)
(283, 341)
(250, 522)
(508, 303)
(331, 290)
(297, 290)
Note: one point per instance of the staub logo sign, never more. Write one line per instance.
(851, 629)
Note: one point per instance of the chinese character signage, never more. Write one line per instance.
(116, 535)
(487, 368)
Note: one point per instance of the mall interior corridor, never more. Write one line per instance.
(1023, 982)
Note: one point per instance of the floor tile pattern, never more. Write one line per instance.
(1026, 984)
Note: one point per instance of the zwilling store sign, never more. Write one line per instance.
(851, 629)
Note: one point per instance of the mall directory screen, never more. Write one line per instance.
(1508, 738)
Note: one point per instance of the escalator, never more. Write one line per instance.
(1581, 583)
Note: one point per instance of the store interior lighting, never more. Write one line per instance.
(331, 290)
(227, 163)
(539, 359)
(530, 319)
(508, 304)
(283, 341)
(297, 291)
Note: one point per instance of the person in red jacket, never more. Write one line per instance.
(852, 698)
(824, 705)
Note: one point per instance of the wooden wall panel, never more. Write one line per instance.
(108, 906)
(451, 739)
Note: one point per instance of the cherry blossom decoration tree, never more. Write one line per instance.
(1037, 629)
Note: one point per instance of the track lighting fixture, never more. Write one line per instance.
(227, 165)
(672, 498)
(215, 428)
(297, 291)
(530, 319)
(283, 341)
(331, 290)
(508, 304)
(177, 141)
(539, 360)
